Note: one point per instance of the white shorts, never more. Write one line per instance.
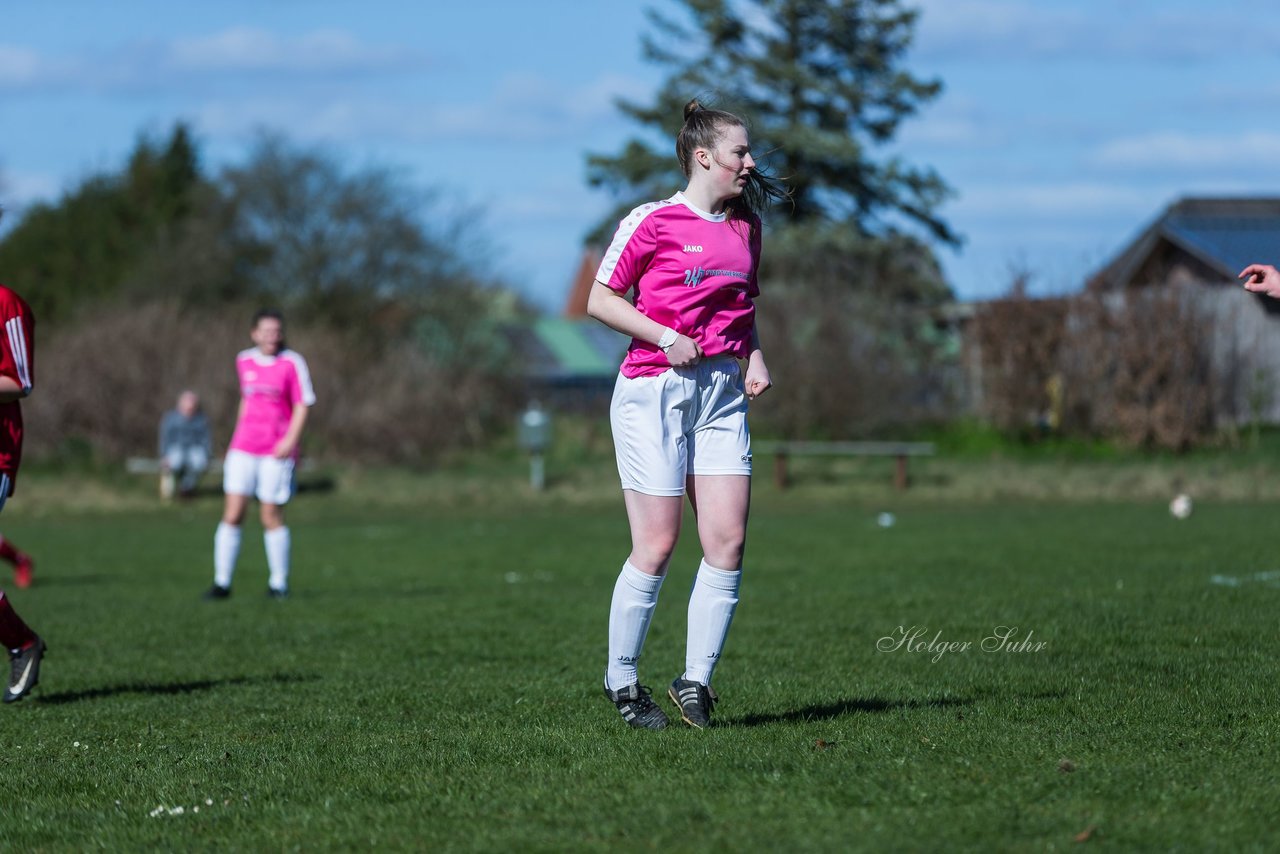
(683, 421)
(270, 479)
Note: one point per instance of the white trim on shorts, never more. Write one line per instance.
(683, 421)
(260, 475)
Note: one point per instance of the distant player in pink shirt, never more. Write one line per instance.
(275, 395)
(679, 409)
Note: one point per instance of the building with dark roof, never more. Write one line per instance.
(1207, 241)
(1200, 245)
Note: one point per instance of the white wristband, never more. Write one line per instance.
(668, 338)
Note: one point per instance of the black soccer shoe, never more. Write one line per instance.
(694, 701)
(24, 673)
(214, 593)
(637, 708)
(278, 593)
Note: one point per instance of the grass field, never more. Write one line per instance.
(433, 682)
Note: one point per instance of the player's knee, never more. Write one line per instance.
(724, 548)
(654, 553)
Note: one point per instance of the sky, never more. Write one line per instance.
(1064, 126)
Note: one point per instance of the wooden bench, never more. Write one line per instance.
(900, 451)
(152, 465)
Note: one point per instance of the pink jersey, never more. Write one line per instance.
(693, 271)
(269, 388)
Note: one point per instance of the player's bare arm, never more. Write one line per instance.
(616, 311)
(756, 381)
(11, 390)
(285, 447)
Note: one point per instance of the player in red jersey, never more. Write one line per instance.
(17, 347)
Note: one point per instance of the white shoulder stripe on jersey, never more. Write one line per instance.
(627, 228)
(304, 376)
(18, 346)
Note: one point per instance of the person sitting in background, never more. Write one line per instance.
(185, 447)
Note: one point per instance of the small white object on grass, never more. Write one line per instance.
(1180, 506)
(885, 520)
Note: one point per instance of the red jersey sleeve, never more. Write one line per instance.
(17, 344)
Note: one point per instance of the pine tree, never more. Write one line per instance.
(93, 241)
(821, 83)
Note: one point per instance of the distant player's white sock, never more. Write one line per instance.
(711, 607)
(635, 595)
(226, 548)
(277, 543)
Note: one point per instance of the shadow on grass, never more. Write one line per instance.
(828, 711)
(317, 483)
(168, 688)
(72, 580)
(387, 591)
(868, 705)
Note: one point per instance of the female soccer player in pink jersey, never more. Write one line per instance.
(680, 403)
(275, 394)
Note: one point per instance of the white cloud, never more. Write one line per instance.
(20, 190)
(1135, 31)
(249, 49)
(22, 68)
(18, 64)
(521, 108)
(955, 121)
(1175, 150)
(1068, 200)
(175, 65)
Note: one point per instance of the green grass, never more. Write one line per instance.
(433, 683)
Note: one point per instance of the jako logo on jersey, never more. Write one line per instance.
(694, 276)
(692, 247)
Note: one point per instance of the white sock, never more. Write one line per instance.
(277, 544)
(711, 606)
(635, 595)
(226, 548)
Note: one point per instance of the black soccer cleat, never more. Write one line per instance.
(278, 593)
(215, 593)
(635, 704)
(24, 673)
(694, 701)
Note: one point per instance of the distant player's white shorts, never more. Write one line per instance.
(683, 421)
(270, 479)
